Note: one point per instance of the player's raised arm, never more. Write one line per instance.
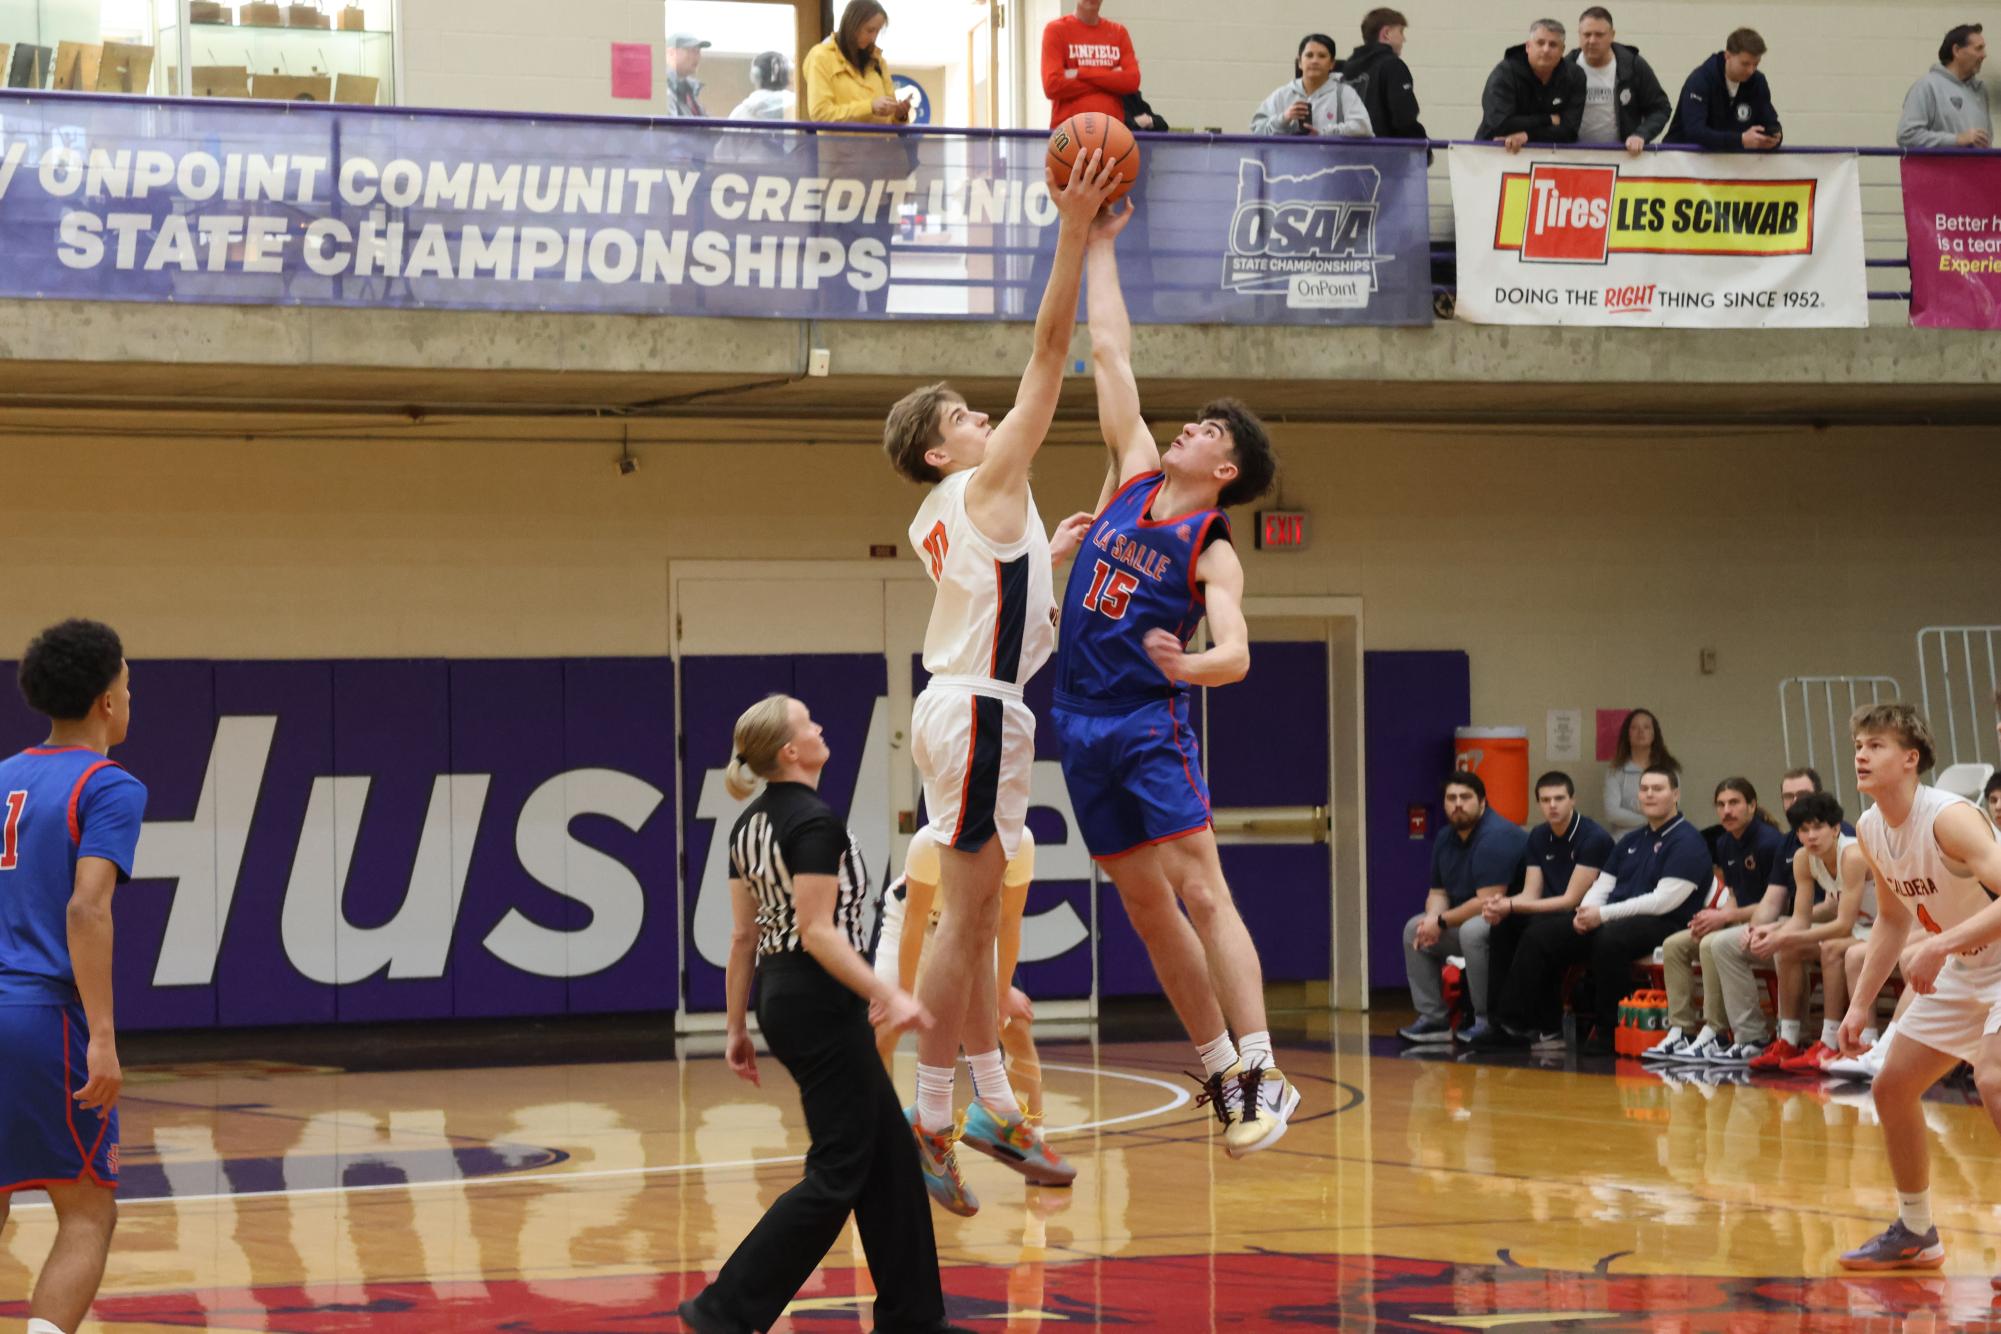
(1132, 446)
(1228, 658)
(1004, 473)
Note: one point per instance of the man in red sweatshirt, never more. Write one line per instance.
(1087, 64)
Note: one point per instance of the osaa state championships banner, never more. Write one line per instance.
(131, 199)
(1667, 240)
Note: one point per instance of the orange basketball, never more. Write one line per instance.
(1074, 139)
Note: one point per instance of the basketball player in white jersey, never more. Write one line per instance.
(992, 625)
(1937, 861)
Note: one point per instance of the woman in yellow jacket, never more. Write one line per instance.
(845, 77)
(846, 81)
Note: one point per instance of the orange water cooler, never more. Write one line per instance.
(1500, 755)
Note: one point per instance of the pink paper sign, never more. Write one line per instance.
(1952, 214)
(1609, 723)
(632, 70)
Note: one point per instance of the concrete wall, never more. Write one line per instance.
(526, 55)
(1579, 570)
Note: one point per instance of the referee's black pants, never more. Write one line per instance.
(1532, 999)
(863, 1160)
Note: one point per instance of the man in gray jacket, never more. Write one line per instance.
(1948, 107)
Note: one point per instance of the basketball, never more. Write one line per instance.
(1076, 137)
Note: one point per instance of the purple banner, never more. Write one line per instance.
(367, 840)
(136, 199)
(1952, 214)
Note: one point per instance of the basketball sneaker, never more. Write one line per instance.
(1668, 1048)
(1897, 1247)
(1776, 1057)
(1268, 1101)
(1427, 1031)
(1813, 1060)
(1738, 1056)
(941, 1167)
(1701, 1049)
(1222, 1093)
(1863, 1068)
(1016, 1141)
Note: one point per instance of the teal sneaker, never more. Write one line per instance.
(941, 1167)
(1017, 1142)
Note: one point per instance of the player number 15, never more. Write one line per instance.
(1110, 590)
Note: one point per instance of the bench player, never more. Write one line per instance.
(1154, 562)
(68, 831)
(1936, 861)
(992, 626)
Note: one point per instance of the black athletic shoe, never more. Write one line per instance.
(695, 1318)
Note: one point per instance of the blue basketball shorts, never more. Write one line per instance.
(46, 1138)
(1135, 775)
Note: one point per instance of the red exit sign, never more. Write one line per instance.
(1281, 530)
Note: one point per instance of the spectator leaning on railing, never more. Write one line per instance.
(1533, 96)
(1315, 101)
(1623, 101)
(1088, 64)
(1375, 70)
(1948, 107)
(1726, 105)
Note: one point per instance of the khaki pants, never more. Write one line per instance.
(1732, 999)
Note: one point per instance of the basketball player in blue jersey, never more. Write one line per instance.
(68, 832)
(1155, 561)
(972, 738)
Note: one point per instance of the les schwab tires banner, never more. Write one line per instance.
(1668, 240)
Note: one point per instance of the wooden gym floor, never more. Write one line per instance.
(1413, 1193)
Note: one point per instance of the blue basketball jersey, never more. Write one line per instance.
(1134, 573)
(57, 803)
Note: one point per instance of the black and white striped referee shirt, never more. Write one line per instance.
(788, 831)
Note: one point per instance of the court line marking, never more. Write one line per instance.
(1180, 1099)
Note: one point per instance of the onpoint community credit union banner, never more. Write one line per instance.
(1682, 240)
(141, 200)
(1952, 214)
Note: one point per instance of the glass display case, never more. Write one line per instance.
(286, 50)
(290, 50)
(87, 46)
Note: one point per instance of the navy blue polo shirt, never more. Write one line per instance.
(1491, 854)
(1782, 869)
(1647, 856)
(1585, 843)
(1747, 861)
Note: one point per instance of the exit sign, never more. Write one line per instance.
(1281, 530)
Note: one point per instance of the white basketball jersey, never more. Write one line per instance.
(1830, 881)
(995, 613)
(1941, 895)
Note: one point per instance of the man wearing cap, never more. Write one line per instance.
(684, 90)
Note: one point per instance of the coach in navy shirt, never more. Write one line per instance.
(1478, 858)
(1648, 892)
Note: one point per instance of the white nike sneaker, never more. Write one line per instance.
(1701, 1049)
(1668, 1048)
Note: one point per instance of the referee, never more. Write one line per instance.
(798, 888)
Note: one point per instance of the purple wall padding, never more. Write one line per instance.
(1412, 700)
(404, 728)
